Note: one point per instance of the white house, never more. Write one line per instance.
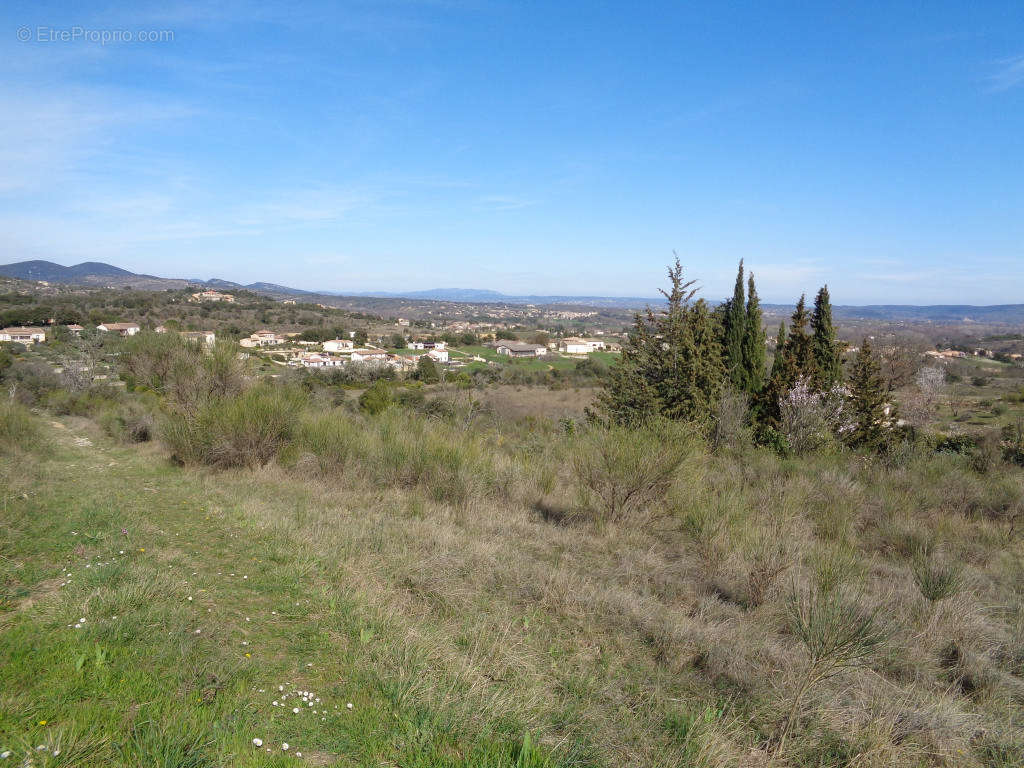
(319, 360)
(427, 345)
(76, 329)
(575, 346)
(262, 339)
(438, 355)
(369, 356)
(125, 329)
(23, 335)
(520, 349)
(339, 345)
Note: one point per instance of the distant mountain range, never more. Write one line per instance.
(95, 273)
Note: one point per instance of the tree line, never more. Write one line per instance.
(680, 361)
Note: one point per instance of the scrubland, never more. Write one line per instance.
(490, 590)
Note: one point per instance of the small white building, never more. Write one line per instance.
(438, 355)
(319, 360)
(339, 345)
(125, 329)
(427, 344)
(576, 346)
(23, 335)
(369, 356)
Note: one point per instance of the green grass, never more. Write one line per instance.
(438, 570)
(153, 678)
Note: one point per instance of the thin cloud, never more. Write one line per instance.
(1010, 74)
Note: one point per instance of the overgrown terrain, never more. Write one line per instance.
(453, 578)
(678, 571)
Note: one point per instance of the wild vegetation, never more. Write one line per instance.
(693, 576)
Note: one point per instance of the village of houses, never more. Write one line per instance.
(286, 349)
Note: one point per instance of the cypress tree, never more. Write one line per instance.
(735, 328)
(779, 381)
(867, 399)
(798, 343)
(828, 367)
(753, 341)
(708, 376)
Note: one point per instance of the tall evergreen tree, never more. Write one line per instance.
(798, 343)
(753, 341)
(828, 366)
(671, 364)
(734, 329)
(780, 347)
(867, 399)
(779, 381)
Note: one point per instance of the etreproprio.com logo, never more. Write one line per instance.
(77, 34)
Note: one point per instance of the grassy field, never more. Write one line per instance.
(449, 580)
(159, 617)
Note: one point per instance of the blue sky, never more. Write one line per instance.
(527, 147)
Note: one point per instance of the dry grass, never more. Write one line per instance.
(666, 643)
(617, 634)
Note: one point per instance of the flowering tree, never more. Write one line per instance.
(810, 419)
(921, 403)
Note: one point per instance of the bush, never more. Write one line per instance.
(18, 429)
(400, 448)
(959, 444)
(935, 579)
(621, 471)
(129, 421)
(245, 430)
(31, 381)
(376, 399)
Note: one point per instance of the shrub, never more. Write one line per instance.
(18, 430)
(730, 428)
(334, 441)
(835, 635)
(810, 420)
(129, 421)
(959, 444)
(30, 381)
(935, 579)
(766, 563)
(248, 429)
(377, 398)
(621, 470)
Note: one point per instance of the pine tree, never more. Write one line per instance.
(867, 399)
(671, 364)
(753, 341)
(828, 367)
(734, 330)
